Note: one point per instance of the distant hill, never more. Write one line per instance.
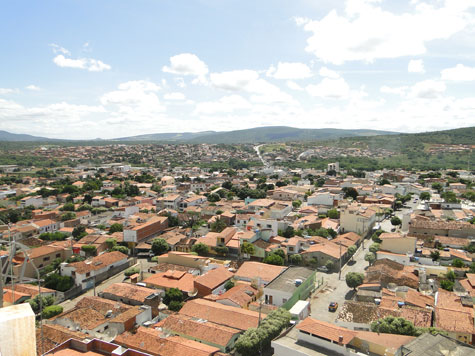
(257, 135)
(416, 141)
(183, 136)
(8, 136)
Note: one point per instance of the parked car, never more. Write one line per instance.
(333, 307)
(322, 269)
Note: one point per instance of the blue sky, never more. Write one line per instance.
(88, 69)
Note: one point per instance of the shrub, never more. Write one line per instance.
(51, 311)
(201, 249)
(228, 285)
(254, 339)
(274, 259)
(116, 228)
(132, 271)
(58, 282)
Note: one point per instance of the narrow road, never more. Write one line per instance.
(256, 148)
(337, 290)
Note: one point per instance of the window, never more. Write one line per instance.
(46, 259)
(58, 255)
(291, 249)
(269, 226)
(88, 274)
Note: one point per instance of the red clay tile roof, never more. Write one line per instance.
(214, 278)
(155, 343)
(221, 314)
(326, 330)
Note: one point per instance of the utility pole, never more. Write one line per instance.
(1, 283)
(339, 271)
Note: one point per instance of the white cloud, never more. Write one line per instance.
(7, 91)
(90, 64)
(427, 89)
(294, 86)
(33, 87)
(186, 64)
(329, 88)
(174, 96)
(458, 73)
(416, 66)
(134, 101)
(402, 91)
(367, 32)
(328, 73)
(233, 80)
(287, 70)
(226, 104)
(246, 80)
(59, 49)
(180, 82)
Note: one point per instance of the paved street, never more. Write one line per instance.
(337, 291)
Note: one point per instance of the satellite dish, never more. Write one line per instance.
(193, 293)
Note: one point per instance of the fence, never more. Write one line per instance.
(302, 292)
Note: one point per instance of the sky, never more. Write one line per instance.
(85, 69)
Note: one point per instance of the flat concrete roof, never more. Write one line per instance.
(286, 280)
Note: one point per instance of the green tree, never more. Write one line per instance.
(79, 232)
(354, 279)
(395, 221)
(425, 196)
(374, 247)
(213, 198)
(247, 248)
(370, 258)
(68, 216)
(159, 246)
(333, 214)
(449, 197)
(295, 259)
(67, 207)
(393, 325)
(351, 251)
(89, 250)
(121, 249)
(458, 263)
(221, 250)
(218, 225)
(173, 294)
(116, 227)
(450, 275)
(111, 243)
(51, 311)
(253, 340)
(58, 282)
(350, 193)
(435, 255)
(447, 285)
(330, 265)
(175, 305)
(274, 259)
(437, 186)
(201, 249)
(296, 204)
